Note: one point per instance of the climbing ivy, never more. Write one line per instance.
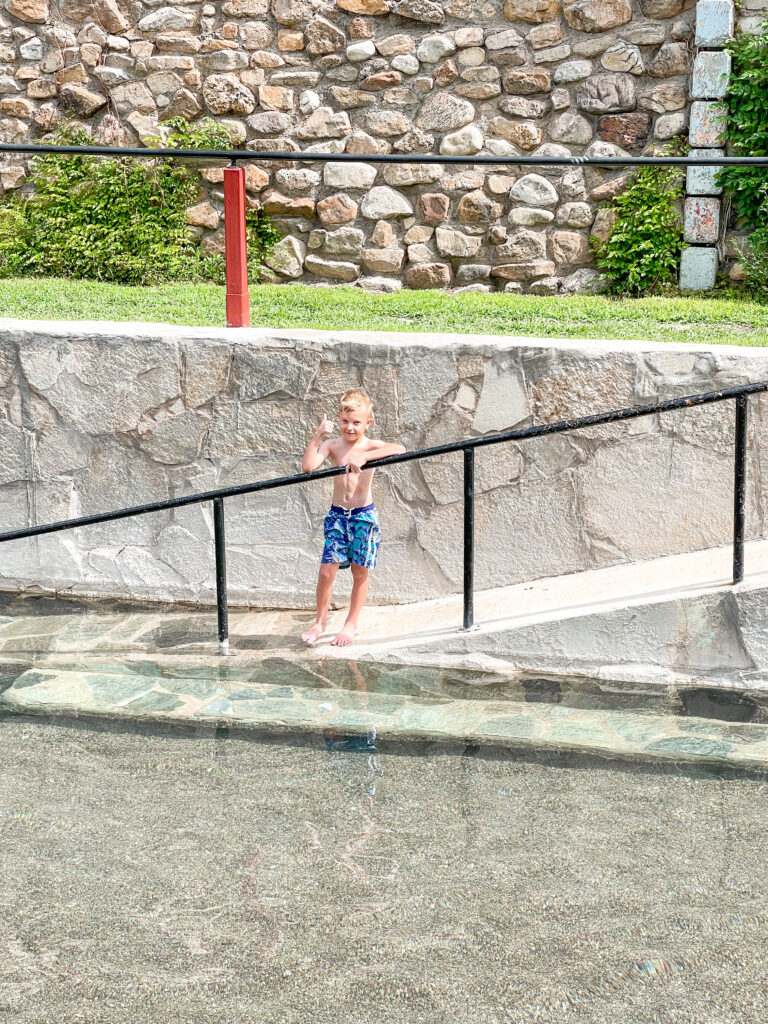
(262, 239)
(746, 133)
(119, 219)
(642, 253)
(204, 134)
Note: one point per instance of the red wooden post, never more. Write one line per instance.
(238, 302)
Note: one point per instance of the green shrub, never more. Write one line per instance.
(203, 134)
(755, 261)
(642, 253)
(117, 219)
(262, 238)
(746, 132)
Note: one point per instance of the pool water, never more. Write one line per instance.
(170, 875)
(175, 871)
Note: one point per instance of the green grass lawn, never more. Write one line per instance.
(690, 319)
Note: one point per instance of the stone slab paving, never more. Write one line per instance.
(93, 627)
(125, 694)
(162, 664)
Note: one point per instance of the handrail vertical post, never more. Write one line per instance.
(739, 488)
(221, 574)
(469, 536)
(238, 300)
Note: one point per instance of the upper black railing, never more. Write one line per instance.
(467, 447)
(235, 219)
(233, 155)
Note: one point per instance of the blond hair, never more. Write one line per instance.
(356, 400)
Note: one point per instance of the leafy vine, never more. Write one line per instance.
(746, 133)
(642, 253)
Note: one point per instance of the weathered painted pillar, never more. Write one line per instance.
(236, 247)
(702, 214)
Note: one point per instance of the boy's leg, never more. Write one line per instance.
(325, 579)
(359, 594)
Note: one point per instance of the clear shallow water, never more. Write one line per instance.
(431, 684)
(178, 645)
(168, 877)
(161, 875)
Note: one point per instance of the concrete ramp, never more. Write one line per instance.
(674, 617)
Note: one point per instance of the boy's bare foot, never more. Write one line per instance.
(345, 637)
(313, 633)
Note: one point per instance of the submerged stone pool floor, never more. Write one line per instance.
(153, 875)
(81, 658)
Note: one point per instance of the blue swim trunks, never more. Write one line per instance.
(352, 535)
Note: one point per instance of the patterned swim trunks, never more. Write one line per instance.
(352, 535)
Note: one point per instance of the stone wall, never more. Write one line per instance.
(504, 77)
(705, 212)
(97, 417)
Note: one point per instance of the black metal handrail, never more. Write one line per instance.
(233, 155)
(467, 447)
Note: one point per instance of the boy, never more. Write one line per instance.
(352, 532)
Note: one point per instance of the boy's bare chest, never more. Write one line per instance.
(341, 457)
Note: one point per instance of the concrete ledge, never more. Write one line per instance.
(150, 333)
(671, 621)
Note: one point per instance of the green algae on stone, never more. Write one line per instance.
(350, 719)
(511, 727)
(638, 730)
(116, 689)
(280, 671)
(200, 689)
(247, 694)
(579, 727)
(155, 701)
(699, 746)
(266, 711)
(30, 678)
(218, 707)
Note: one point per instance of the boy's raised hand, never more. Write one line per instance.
(326, 427)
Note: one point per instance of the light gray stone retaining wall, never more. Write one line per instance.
(96, 417)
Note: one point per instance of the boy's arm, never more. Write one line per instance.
(381, 449)
(315, 455)
(377, 450)
(318, 450)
